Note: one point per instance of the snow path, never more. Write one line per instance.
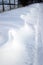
(23, 43)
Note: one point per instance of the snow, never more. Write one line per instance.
(7, 7)
(21, 36)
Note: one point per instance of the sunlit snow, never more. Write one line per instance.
(21, 36)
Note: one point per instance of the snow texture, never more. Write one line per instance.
(21, 36)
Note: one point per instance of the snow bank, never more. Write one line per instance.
(22, 45)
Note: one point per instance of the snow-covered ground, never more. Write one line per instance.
(21, 36)
(7, 7)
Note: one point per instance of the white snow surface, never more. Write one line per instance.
(21, 36)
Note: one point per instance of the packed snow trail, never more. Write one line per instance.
(23, 30)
